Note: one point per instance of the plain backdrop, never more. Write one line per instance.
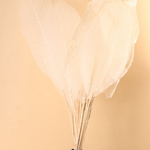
(33, 115)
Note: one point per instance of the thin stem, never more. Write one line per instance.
(86, 123)
(82, 118)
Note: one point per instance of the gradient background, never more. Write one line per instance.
(33, 115)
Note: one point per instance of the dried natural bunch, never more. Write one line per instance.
(85, 47)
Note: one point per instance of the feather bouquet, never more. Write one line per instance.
(85, 47)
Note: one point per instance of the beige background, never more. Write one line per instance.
(33, 116)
